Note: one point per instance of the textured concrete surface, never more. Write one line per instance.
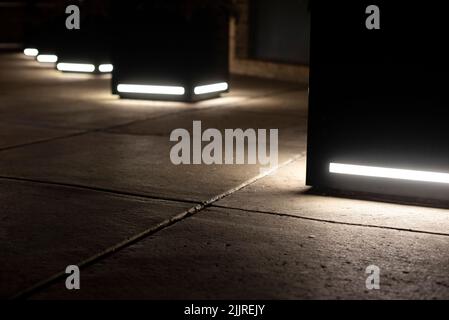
(289, 196)
(229, 254)
(45, 228)
(82, 173)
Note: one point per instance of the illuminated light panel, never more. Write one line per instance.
(75, 67)
(31, 52)
(105, 68)
(47, 58)
(211, 88)
(150, 89)
(389, 173)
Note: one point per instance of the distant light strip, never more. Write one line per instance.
(75, 67)
(151, 89)
(31, 52)
(389, 173)
(105, 68)
(47, 58)
(211, 88)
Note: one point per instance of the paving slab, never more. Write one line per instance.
(135, 157)
(280, 111)
(71, 101)
(128, 163)
(285, 192)
(31, 93)
(229, 254)
(17, 134)
(44, 228)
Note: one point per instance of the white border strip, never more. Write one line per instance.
(106, 68)
(47, 58)
(211, 88)
(389, 173)
(75, 67)
(151, 89)
(31, 52)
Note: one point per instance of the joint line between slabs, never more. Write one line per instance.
(363, 225)
(114, 192)
(144, 234)
(117, 126)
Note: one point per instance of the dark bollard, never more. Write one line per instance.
(43, 30)
(87, 49)
(171, 50)
(378, 120)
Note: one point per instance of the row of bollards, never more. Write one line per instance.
(153, 51)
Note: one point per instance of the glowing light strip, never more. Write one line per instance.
(390, 173)
(47, 58)
(150, 89)
(31, 52)
(75, 67)
(211, 88)
(105, 68)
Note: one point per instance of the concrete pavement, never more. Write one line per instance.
(82, 172)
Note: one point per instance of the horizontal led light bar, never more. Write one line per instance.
(389, 173)
(75, 67)
(105, 68)
(47, 58)
(150, 89)
(211, 88)
(31, 52)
